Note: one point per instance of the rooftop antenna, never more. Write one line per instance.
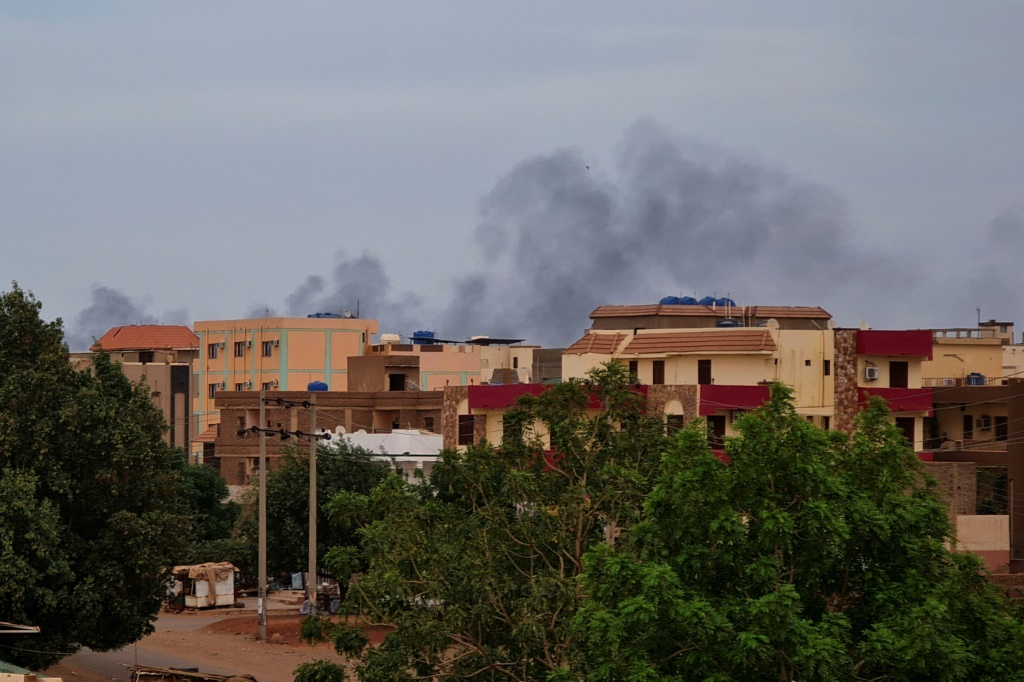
(979, 316)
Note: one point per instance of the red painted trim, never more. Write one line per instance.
(721, 398)
(899, 399)
(914, 343)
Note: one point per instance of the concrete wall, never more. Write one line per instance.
(954, 358)
(986, 536)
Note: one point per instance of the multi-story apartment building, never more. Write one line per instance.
(280, 353)
(162, 356)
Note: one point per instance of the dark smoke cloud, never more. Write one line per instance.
(356, 284)
(112, 308)
(673, 217)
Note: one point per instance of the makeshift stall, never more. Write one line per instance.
(204, 586)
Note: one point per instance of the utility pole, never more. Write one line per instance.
(261, 608)
(311, 580)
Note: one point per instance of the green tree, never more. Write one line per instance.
(337, 470)
(810, 556)
(478, 567)
(89, 511)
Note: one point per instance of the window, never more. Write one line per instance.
(826, 367)
(807, 363)
(634, 371)
(146, 357)
(515, 362)
(968, 422)
(268, 348)
(428, 423)
(396, 382)
(704, 372)
(673, 423)
(659, 372)
(906, 425)
(1002, 428)
(242, 386)
(826, 422)
(211, 351)
(466, 424)
(899, 374)
(211, 391)
(267, 385)
(716, 430)
(239, 349)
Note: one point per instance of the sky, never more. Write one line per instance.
(503, 168)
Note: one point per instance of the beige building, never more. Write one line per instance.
(278, 353)
(162, 356)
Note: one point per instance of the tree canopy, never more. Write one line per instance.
(337, 470)
(810, 556)
(478, 568)
(89, 495)
(616, 553)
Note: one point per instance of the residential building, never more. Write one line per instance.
(162, 356)
(276, 354)
(234, 451)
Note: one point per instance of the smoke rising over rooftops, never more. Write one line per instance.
(673, 216)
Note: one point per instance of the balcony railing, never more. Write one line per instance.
(972, 444)
(952, 382)
(964, 333)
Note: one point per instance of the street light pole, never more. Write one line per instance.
(261, 604)
(311, 581)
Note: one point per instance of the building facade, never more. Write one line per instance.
(162, 356)
(274, 354)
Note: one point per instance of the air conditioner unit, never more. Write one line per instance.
(870, 374)
(247, 385)
(220, 344)
(222, 386)
(248, 344)
(984, 422)
(276, 342)
(274, 383)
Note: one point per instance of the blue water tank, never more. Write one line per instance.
(707, 300)
(421, 338)
(687, 300)
(728, 322)
(725, 301)
(975, 379)
(669, 300)
(316, 386)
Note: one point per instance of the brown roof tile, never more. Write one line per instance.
(717, 341)
(604, 344)
(148, 337)
(788, 311)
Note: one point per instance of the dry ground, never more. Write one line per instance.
(227, 644)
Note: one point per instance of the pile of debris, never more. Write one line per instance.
(145, 673)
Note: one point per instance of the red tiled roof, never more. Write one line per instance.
(746, 340)
(148, 337)
(758, 311)
(603, 344)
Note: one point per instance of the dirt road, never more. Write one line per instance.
(222, 642)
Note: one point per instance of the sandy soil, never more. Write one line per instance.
(227, 644)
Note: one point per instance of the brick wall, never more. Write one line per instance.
(958, 484)
(845, 371)
(658, 396)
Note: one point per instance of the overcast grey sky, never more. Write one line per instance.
(177, 161)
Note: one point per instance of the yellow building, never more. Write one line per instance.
(723, 351)
(277, 353)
